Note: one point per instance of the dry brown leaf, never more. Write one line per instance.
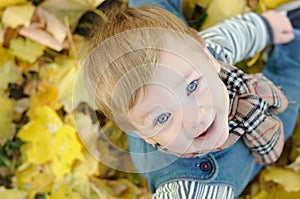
(72, 9)
(47, 30)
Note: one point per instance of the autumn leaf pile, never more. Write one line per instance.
(49, 141)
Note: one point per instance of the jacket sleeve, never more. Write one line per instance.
(193, 189)
(238, 38)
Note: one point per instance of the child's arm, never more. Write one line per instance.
(242, 36)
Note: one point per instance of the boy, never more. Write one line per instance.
(155, 77)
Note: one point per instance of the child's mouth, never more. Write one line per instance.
(203, 135)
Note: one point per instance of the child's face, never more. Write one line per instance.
(185, 109)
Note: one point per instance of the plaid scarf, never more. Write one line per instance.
(254, 103)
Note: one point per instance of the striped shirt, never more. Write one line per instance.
(233, 40)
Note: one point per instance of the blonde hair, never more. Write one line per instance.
(122, 55)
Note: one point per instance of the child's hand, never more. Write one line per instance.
(281, 26)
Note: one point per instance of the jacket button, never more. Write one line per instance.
(205, 166)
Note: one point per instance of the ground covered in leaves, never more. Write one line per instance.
(49, 142)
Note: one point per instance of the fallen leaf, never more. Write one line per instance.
(80, 183)
(64, 79)
(47, 115)
(219, 10)
(295, 165)
(63, 73)
(35, 179)
(21, 105)
(6, 3)
(47, 95)
(15, 16)
(39, 142)
(72, 9)
(1, 34)
(63, 192)
(277, 192)
(26, 49)
(289, 179)
(12, 193)
(7, 127)
(5, 56)
(271, 4)
(47, 30)
(67, 149)
(102, 189)
(9, 73)
(88, 165)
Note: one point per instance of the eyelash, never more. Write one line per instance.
(187, 89)
(160, 116)
(167, 115)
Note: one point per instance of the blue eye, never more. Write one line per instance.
(192, 87)
(162, 118)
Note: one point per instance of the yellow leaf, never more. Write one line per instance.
(9, 73)
(6, 3)
(64, 74)
(26, 50)
(88, 165)
(80, 183)
(63, 192)
(38, 134)
(275, 3)
(64, 79)
(5, 56)
(35, 179)
(11, 193)
(277, 192)
(39, 145)
(290, 180)
(261, 195)
(2, 31)
(7, 127)
(67, 150)
(15, 16)
(48, 116)
(72, 9)
(47, 95)
(219, 10)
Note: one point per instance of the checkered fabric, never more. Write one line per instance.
(254, 103)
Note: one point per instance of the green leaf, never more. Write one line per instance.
(15, 16)
(7, 128)
(9, 73)
(26, 49)
(11, 193)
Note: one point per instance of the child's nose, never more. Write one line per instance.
(192, 117)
